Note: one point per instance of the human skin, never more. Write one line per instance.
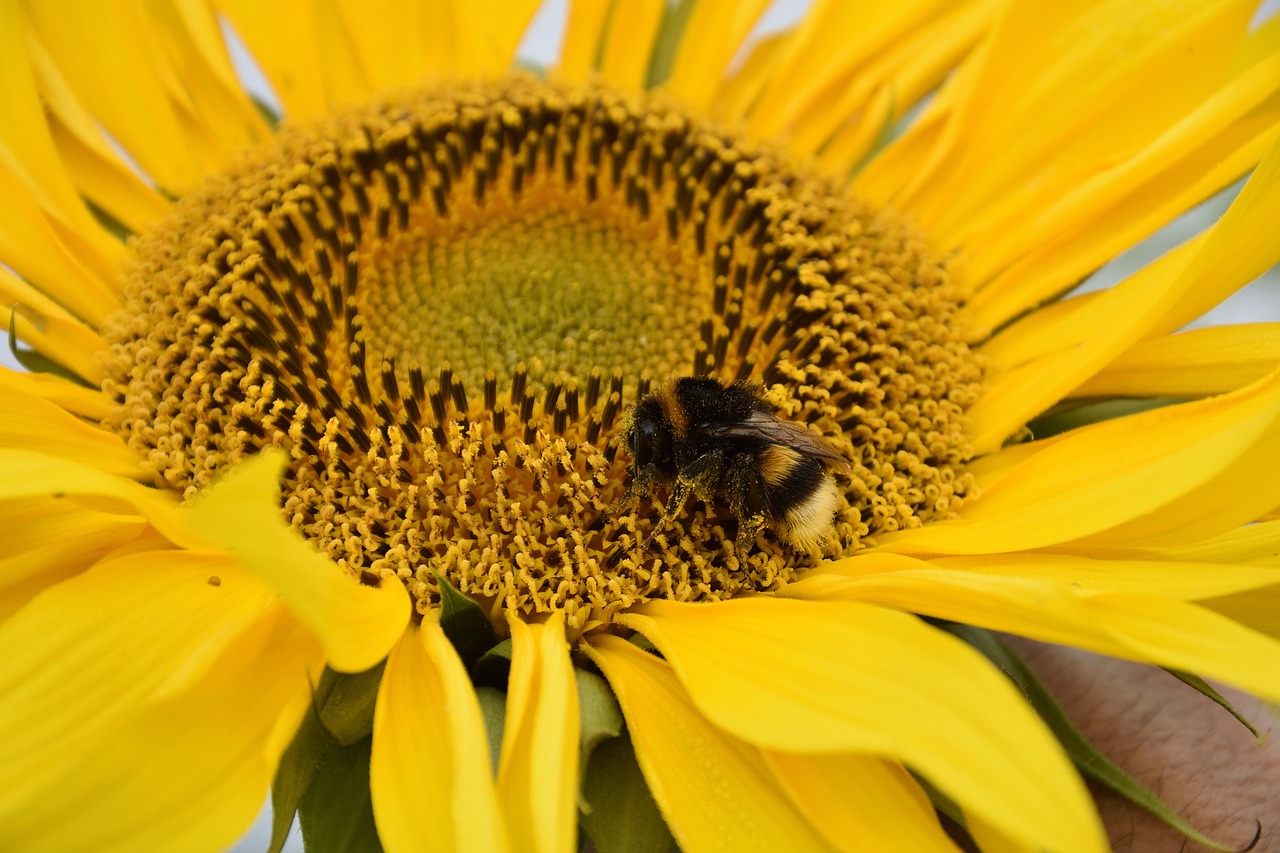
(1194, 755)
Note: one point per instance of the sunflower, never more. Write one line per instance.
(317, 479)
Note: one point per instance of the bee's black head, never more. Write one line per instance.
(650, 441)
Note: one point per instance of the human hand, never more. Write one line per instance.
(1194, 755)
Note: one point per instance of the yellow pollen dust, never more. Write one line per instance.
(442, 304)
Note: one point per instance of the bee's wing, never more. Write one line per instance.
(764, 425)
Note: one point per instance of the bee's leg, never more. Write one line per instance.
(748, 528)
(675, 502)
(679, 494)
(753, 492)
(751, 507)
(701, 477)
(637, 489)
(693, 479)
(622, 505)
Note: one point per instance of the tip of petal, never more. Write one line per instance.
(356, 624)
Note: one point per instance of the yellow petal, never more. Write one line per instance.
(26, 134)
(1234, 252)
(26, 302)
(860, 802)
(282, 38)
(32, 247)
(1158, 172)
(103, 178)
(852, 142)
(581, 48)
(1239, 492)
(1073, 85)
(190, 38)
(991, 840)
(1258, 544)
(48, 541)
(739, 91)
(98, 645)
(1141, 627)
(438, 37)
(443, 47)
(429, 772)
(714, 791)
(1242, 248)
(1070, 255)
(1258, 609)
(990, 469)
(1032, 253)
(345, 80)
(894, 174)
(1055, 264)
(374, 26)
(1193, 638)
(489, 32)
(1198, 363)
(187, 769)
(1173, 578)
(356, 624)
(844, 54)
(1104, 475)
(633, 29)
(37, 476)
(824, 50)
(76, 399)
(68, 342)
(538, 770)
(841, 677)
(107, 49)
(28, 422)
(713, 35)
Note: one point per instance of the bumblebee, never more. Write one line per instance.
(696, 435)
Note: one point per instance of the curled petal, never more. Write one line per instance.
(714, 790)
(356, 624)
(538, 769)
(831, 677)
(429, 773)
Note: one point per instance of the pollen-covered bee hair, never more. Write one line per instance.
(697, 435)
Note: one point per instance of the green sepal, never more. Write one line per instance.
(599, 717)
(336, 812)
(347, 710)
(942, 804)
(1201, 686)
(640, 641)
(1088, 760)
(36, 362)
(537, 69)
(493, 708)
(269, 115)
(888, 131)
(293, 776)
(117, 228)
(465, 623)
(494, 666)
(662, 57)
(621, 816)
(950, 816)
(1073, 414)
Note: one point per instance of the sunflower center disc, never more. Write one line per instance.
(440, 305)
